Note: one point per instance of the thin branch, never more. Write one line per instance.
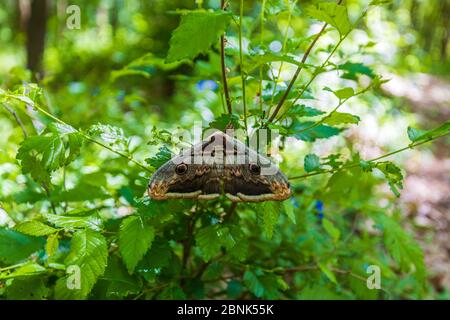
(330, 114)
(297, 72)
(322, 66)
(230, 212)
(353, 165)
(87, 137)
(187, 242)
(223, 67)
(261, 38)
(17, 118)
(49, 195)
(285, 38)
(241, 61)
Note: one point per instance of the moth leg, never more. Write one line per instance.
(177, 195)
(233, 197)
(211, 196)
(258, 198)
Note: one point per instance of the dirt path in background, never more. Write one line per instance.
(426, 196)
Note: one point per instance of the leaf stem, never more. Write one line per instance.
(297, 72)
(87, 137)
(283, 51)
(223, 67)
(13, 266)
(324, 118)
(241, 61)
(353, 165)
(261, 38)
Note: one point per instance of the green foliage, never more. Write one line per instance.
(405, 251)
(88, 252)
(162, 156)
(312, 162)
(197, 31)
(263, 284)
(310, 132)
(135, 238)
(34, 228)
(333, 14)
(15, 246)
(337, 118)
(73, 180)
(416, 135)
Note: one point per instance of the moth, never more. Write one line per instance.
(219, 165)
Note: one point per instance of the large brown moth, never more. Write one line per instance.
(219, 165)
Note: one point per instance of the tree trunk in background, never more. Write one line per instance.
(36, 28)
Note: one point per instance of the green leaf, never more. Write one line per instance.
(119, 284)
(270, 212)
(111, 135)
(143, 66)
(379, 2)
(415, 134)
(27, 270)
(32, 288)
(52, 244)
(352, 70)
(225, 121)
(74, 222)
(234, 289)
(327, 271)
(319, 292)
(89, 252)
(163, 155)
(34, 228)
(343, 93)
(300, 110)
(307, 131)
(15, 246)
(172, 292)
(333, 14)
(157, 257)
(331, 229)
(393, 175)
(213, 271)
(290, 210)
(56, 147)
(311, 162)
(419, 135)
(265, 285)
(337, 118)
(211, 239)
(135, 238)
(197, 31)
(257, 60)
(405, 251)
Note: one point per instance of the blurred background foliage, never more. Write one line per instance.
(112, 72)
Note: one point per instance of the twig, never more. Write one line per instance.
(187, 242)
(300, 94)
(17, 118)
(230, 212)
(87, 137)
(261, 22)
(297, 72)
(223, 67)
(353, 165)
(286, 32)
(330, 114)
(241, 61)
(47, 191)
